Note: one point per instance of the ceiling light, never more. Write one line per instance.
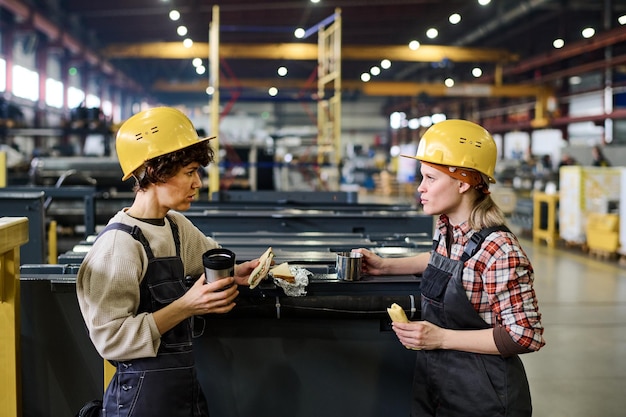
(588, 32)
(187, 43)
(449, 82)
(365, 77)
(414, 123)
(282, 71)
(375, 70)
(210, 90)
(397, 119)
(558, 43)
(454, 18)
(413, 45)
(575, 80)
(622, 19)
(432, 33)
(315, 1)
(196, 62)
(174, 15)
(385, 64)
(426, 121)
(299, 33)
(200, 69)
(438, 117)
(273, 91)
(477, 72)
(484, 2)
(181, 30)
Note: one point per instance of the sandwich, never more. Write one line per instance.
(259, 273)
(397, 314)
(283, 272)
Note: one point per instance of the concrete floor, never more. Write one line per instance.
(581, 372)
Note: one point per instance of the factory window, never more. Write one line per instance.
(3, 75)
(92, 101)
(54, 93)
(75, 97)
(25, 83)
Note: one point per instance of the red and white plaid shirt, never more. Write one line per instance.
(498, 281)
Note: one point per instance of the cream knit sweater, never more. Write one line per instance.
(108, 280)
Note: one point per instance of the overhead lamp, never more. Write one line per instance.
(449, 82)
(622, 19)
(201, 69)
(477, 72)
(414, 123)
(273, 91)
(188, 43)
(454, 18)
(181, 30)
(174, 15)
(282, 71)
(432, 33)
(588, 32)
(397, 119)
(210, 90)
(196, 62)
(385, 64)
(426, 121)
(299, 33)
(375, 71)
(365, 77)
(484, 2)
(438, 117)
(558, 43)
(414, 45)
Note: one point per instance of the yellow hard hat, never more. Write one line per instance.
(459, 143)
(151, 133)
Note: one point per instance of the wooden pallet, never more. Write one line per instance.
(576, 245)
(602, 254)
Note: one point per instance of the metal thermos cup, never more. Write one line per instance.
(349, 266)
(218, 263)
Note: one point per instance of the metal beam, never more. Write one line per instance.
(308, 51)
(372, 88)
(407, 89)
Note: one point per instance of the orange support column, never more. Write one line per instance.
(13, 234)
(550, 233)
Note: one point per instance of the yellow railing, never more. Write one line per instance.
(13, 234)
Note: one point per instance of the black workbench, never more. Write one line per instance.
(330, 352)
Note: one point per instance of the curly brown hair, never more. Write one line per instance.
(164, 167)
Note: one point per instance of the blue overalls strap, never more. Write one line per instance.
(136, 233)
(477, 240)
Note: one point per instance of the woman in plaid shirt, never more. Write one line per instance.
(478, 312)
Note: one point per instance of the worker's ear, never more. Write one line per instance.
(463, 187)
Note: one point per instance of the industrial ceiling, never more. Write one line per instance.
(510, 40)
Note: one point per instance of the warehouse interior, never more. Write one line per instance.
(312, 103)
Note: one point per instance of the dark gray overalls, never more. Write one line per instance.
(450, 383)
(165, 385)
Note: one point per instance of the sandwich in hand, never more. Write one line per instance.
(397, 314)
(260, 272)
(283, 272)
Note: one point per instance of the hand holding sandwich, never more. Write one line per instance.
(249, 272)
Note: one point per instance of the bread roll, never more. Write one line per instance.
(397, 314)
